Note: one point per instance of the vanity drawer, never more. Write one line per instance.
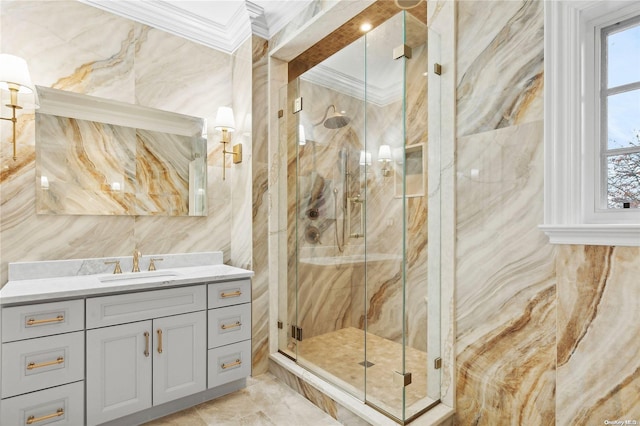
(229, 363)
(59, 406)
(229, 293)
(229, 325)
(34, 364)
(123, 308)
(44, 319)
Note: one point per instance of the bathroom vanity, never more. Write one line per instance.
(80, 347)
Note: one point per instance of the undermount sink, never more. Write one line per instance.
(140, 277)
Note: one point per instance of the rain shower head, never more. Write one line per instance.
(336, 120)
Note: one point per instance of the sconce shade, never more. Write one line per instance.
(225, 120)
(398, 155)
(365, 158)
(301, 137)
(14, 70)
(384, 153)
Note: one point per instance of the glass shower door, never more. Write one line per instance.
(357, 296)
(396, 217)
(330, 256)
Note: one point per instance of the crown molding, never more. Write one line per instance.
(259, 25)
(172, 19)
(251, 19)
(351, 86)
(284, 16)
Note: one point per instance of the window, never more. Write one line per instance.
(620, 115)
(592, 122)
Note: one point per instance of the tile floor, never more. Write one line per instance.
(266, 401)
(338, 356)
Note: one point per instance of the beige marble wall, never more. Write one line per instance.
(545, 333)
(79, 48)
(505, 268)
(260, 205)
(598, 370)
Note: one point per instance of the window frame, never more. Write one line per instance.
(605, 92)
(572, 126)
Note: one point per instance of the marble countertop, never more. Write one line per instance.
(42, 289)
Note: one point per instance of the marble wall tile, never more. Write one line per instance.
(72, 46)
(505, 303)
(95, 64)
(239, 176)
(441, 203)
(260, 204)
(499, 64)
(598, 367)
(277, 204)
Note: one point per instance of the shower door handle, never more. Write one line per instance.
(296, 333)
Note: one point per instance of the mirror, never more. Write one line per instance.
(100, 157)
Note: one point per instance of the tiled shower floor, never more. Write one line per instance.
(338, 356)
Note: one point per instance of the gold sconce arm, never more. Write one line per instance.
(13, 104)
(15, 78)
(236, 151)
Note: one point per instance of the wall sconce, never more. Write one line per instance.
(226, 123)
(44, 183)
(398, 155)
(384, 156)
(365, 160)
(15, 78)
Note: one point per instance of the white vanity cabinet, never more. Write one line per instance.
(121, 350)
(43, 364)
(137, 365)
(229, 317)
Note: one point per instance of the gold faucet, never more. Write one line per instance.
(136, 260)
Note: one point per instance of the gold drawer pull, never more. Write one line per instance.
(159, 341)
(228, 326)
(33, 365)
(146, 343)
(32, 419)
(232, 294)
(233, 364)
(32, 321)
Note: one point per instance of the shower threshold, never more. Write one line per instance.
(343, 405)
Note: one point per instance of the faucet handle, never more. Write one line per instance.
(117, 269)
(152, 265)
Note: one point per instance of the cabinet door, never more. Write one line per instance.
(118, 371)
(179, 356)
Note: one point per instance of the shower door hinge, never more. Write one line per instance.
(297, 105)
(402, 51)
(296, 333)
(437, 69)
(437, 363)
(400, 379)
(280, 325)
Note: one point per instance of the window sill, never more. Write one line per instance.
(597, 235)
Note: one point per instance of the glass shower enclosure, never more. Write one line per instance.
(357, 308)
